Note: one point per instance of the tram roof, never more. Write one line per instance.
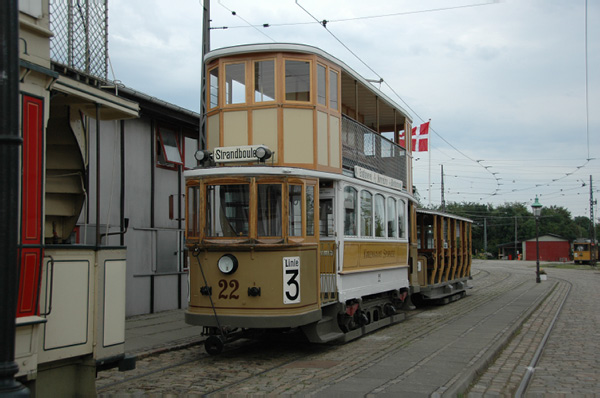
(441, 213)
(307, 49)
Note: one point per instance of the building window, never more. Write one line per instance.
(333, 90)
(235, 83)
(214, 88)
(297, 80)
(168, 149)
(264, 81)
(321, 85)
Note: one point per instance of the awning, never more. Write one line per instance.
(112, 107)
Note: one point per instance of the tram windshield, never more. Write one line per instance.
(227, 210)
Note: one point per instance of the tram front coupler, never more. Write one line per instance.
(216, 340)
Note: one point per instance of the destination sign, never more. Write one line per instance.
(236, 153)
(376, 178)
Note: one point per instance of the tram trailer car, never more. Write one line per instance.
(585, 251)
(444, 263)
(298, 216)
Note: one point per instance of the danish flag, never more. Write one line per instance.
(420, 143)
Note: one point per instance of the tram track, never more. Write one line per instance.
(260, 363)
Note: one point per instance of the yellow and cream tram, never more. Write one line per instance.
(299, 214)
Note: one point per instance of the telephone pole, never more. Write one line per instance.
(443, 200)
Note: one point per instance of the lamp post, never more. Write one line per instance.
(537, 210)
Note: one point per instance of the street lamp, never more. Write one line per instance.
(537, 210)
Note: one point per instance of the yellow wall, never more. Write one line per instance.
(322, 138)
(235, 124)
(334, 141)
(264, 129)
(213, 131)
(298, 136)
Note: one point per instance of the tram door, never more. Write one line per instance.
(328, 246)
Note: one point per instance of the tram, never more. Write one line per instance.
(301, 213)
(444, 262)
(585, 251)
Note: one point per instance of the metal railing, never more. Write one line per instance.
(80, 39)
(363, 147)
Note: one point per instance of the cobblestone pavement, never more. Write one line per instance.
(391, 359)
(570, 358)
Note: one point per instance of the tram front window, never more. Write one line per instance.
(269, 210)
(227, 210)
(295, 210)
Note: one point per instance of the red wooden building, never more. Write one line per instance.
(552, 248)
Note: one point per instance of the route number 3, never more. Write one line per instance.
(291, 280)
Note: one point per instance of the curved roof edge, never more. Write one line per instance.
(305, 49)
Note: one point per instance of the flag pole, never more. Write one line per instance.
(429, 156)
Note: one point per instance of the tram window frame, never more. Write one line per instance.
(391, 217)
(213, 88)
(293, 230)
(192, 228)
(260, 201)
(350, 211)
(321, 84)
(366, 214)
(234, 93)
(294, 80)
(379, 225)
(259, 80)
(401, 211)
(168, 155)
(333, 89)
(310, 209)
(245, 208)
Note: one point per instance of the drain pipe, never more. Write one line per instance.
(10, 144)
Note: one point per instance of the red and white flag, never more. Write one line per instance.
(420, 143)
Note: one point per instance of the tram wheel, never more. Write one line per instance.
(214, 345)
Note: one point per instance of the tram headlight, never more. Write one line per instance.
(227, 264)
(263, 153)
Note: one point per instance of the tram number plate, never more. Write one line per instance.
(291, 280)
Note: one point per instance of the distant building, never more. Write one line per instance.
(552, 248)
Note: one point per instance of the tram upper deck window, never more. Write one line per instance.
(379, 216)
(333, 90)
(366, 214)
(214, 87)
(297, 80)
(264, 81)
(269, 210)
(321, 84)
(295, 210)
(350, 214)
(227, 210)
(235, 83)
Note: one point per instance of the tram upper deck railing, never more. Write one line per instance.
(363, 147)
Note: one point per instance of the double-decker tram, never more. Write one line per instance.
(301, 212)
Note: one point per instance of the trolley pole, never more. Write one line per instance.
(10, 143)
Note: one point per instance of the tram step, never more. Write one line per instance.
(323, 331)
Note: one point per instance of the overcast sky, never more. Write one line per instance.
(504, 83)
